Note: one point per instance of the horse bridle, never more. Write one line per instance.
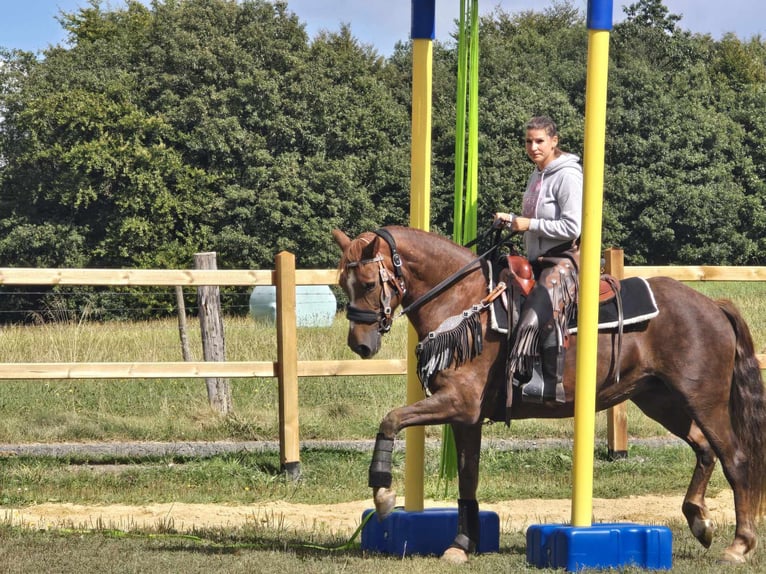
(383, 316)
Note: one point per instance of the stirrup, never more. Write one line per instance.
(533, 391)
(540, 396)
(537, 390)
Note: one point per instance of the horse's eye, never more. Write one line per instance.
(369, 286)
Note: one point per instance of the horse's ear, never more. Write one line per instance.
(341, 239)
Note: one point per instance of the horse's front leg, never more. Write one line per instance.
(468, 446)
(439, 408)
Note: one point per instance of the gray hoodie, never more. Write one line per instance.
(558, 214)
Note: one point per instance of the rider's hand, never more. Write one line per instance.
(503, 219)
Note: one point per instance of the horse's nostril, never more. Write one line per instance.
(363, 351)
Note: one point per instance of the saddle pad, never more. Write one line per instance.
(638, 305)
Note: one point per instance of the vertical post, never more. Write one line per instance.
(287, 365)
(185, 352)
(616, 416)
(423, 33)
(599, 24)
(213, 345)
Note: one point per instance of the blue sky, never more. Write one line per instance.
(32, 25)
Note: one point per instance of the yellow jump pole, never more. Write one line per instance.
(423, 32)
(584, 545)
(599, 24)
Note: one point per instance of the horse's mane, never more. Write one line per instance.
(438, 245)
(441, 244)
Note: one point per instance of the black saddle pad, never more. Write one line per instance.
(638, 305)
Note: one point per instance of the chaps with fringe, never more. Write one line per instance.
(457, 340)
(561, 284)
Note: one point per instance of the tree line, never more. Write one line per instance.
(158, 131)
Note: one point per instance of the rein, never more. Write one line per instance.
(384, 316)
(449, 281)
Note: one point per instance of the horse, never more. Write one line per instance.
(692, 368)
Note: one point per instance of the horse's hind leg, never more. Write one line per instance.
(665, 408)
(468, 446)
(719, 440)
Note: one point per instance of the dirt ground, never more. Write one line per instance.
(344, 518)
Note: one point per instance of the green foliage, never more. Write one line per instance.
(165, 129)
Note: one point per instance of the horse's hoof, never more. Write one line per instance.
(455, 556)
(385, 501)
(732, 557)
(703, 530)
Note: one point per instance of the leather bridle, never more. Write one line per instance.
(389, 284)
(384, 316)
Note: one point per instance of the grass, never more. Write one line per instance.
(329, 476)
(255, 549)
(177, 409)
(332, 476)
(331, 408)
(168, 409)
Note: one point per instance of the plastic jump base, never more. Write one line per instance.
(599, 546)
(425, 532)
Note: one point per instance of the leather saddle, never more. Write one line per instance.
(518, 271)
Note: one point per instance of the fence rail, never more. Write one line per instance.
(699, 272)
(157, 277)
(287, 368)
(197, 369)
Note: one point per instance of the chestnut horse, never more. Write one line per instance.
(692, 368)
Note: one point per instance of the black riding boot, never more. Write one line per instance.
(546, 384)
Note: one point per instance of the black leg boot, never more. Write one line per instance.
(545, 383)
(553, 372)
(467, 538)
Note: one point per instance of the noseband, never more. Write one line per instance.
(383, 316)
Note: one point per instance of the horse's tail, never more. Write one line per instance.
(748, 405)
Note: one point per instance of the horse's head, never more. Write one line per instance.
(373, 289)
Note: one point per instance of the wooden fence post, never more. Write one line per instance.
(185, 352)
(287, 365)
(616, 416)
(211, 323)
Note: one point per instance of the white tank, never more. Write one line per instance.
(315, 305)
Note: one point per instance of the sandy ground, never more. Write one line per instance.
(344, 518)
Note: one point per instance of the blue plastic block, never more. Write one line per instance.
(600, 546)
(425, 532)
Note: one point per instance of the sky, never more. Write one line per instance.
(31, 24)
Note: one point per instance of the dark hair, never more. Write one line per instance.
(543, 123)
(549, 126)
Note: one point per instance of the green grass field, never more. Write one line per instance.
(331, 408)
(177, 409)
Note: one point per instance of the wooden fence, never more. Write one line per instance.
(287, 369)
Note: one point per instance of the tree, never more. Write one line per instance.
(195, 125)
(673, 190)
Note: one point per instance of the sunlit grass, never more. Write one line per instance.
(284, 549)
(177, 409)
(332, 476)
